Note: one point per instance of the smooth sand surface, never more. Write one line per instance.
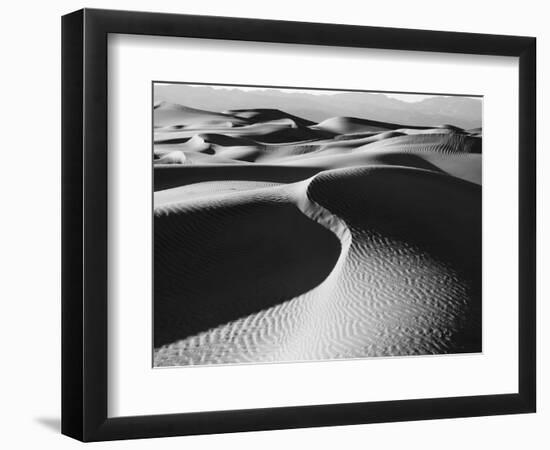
(277, 239)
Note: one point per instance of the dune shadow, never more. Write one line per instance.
(219, 263)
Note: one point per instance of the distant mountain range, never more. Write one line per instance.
(464, 112)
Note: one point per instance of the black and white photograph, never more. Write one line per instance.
(301, 224)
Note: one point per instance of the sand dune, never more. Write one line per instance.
(278, 239)
(272, 131)
(440, 143)
(170, 176)
(236, 227)
(387, 289)
(174, 117)
(346, 125)
(173, 157)
(265, 115)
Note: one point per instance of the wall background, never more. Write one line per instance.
(30, 221)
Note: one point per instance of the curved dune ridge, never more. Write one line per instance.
(300, 241)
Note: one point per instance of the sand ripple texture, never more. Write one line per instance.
(376, 291)
(375, 254)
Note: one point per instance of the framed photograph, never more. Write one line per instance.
(274, 224)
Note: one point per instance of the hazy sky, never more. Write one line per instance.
(317, 105)
(410, 98)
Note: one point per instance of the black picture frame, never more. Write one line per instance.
(84, 224)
